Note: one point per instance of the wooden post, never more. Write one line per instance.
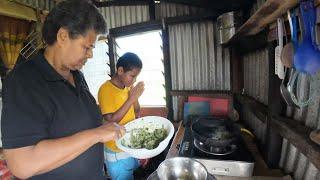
(167, 69)
(275, 103)
(112, 60)
(152, 10)
(236, 72)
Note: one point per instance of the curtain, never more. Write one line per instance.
(13, 33)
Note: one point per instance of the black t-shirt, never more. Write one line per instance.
(39, 104)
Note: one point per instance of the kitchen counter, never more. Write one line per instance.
(261, 170)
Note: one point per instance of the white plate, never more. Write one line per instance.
(150, 122)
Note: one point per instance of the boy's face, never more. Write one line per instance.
(129, 77)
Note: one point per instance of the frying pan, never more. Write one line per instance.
(215, 132)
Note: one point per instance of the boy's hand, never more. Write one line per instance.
(136, 91)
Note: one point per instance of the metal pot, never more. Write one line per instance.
(181, 168)
(228, 24)
(215, 132)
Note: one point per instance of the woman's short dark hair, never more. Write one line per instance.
(77, 16)
(129, 61)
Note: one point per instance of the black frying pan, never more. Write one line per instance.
(215, 132)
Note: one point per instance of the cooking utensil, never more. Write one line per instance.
(181, 168)
(290, 87)
(228, 24)
(215, 132)
(154, 176)
(284, 89)
(287, 56)
(287, 52)
(279, 69)
(307, 56)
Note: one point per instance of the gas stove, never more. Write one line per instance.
(235, 160)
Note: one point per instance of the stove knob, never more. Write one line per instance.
(187, 146)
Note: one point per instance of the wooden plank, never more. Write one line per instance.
(273, 32)
(191, 18)
(158, 24)
(251, 43)
(167, 70)
(268, 13)
(121, 3)
(258, 109)
(152, 10)
(112, 58)
(135, 28)
(16, 10)
(214, 5)
(174, 151)
(275, 101)
(204, 93)
(181, 101)
(298, 135)
(273, 143)
(236, 71)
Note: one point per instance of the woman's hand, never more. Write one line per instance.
(136, 91)
(109, 131)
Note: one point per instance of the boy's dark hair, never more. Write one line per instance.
(77, 16)
(129, 61)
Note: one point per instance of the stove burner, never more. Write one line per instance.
(215, 150)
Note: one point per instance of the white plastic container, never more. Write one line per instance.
(150, 122)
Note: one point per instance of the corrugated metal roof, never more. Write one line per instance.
(255, 71)
(198, 62)
(117, 16)
(38, 4)
(165, 9)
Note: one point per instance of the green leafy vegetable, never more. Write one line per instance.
(146, 138)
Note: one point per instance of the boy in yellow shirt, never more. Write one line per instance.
(118, 102)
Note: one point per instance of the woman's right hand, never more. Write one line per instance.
(109, 131)
(136, 91)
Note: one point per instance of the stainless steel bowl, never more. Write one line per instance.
(181, 168)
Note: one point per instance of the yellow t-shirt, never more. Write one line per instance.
(111, 98)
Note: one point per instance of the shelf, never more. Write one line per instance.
(208, 93)
(268, 13)
(16, 10)
(298, 135)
